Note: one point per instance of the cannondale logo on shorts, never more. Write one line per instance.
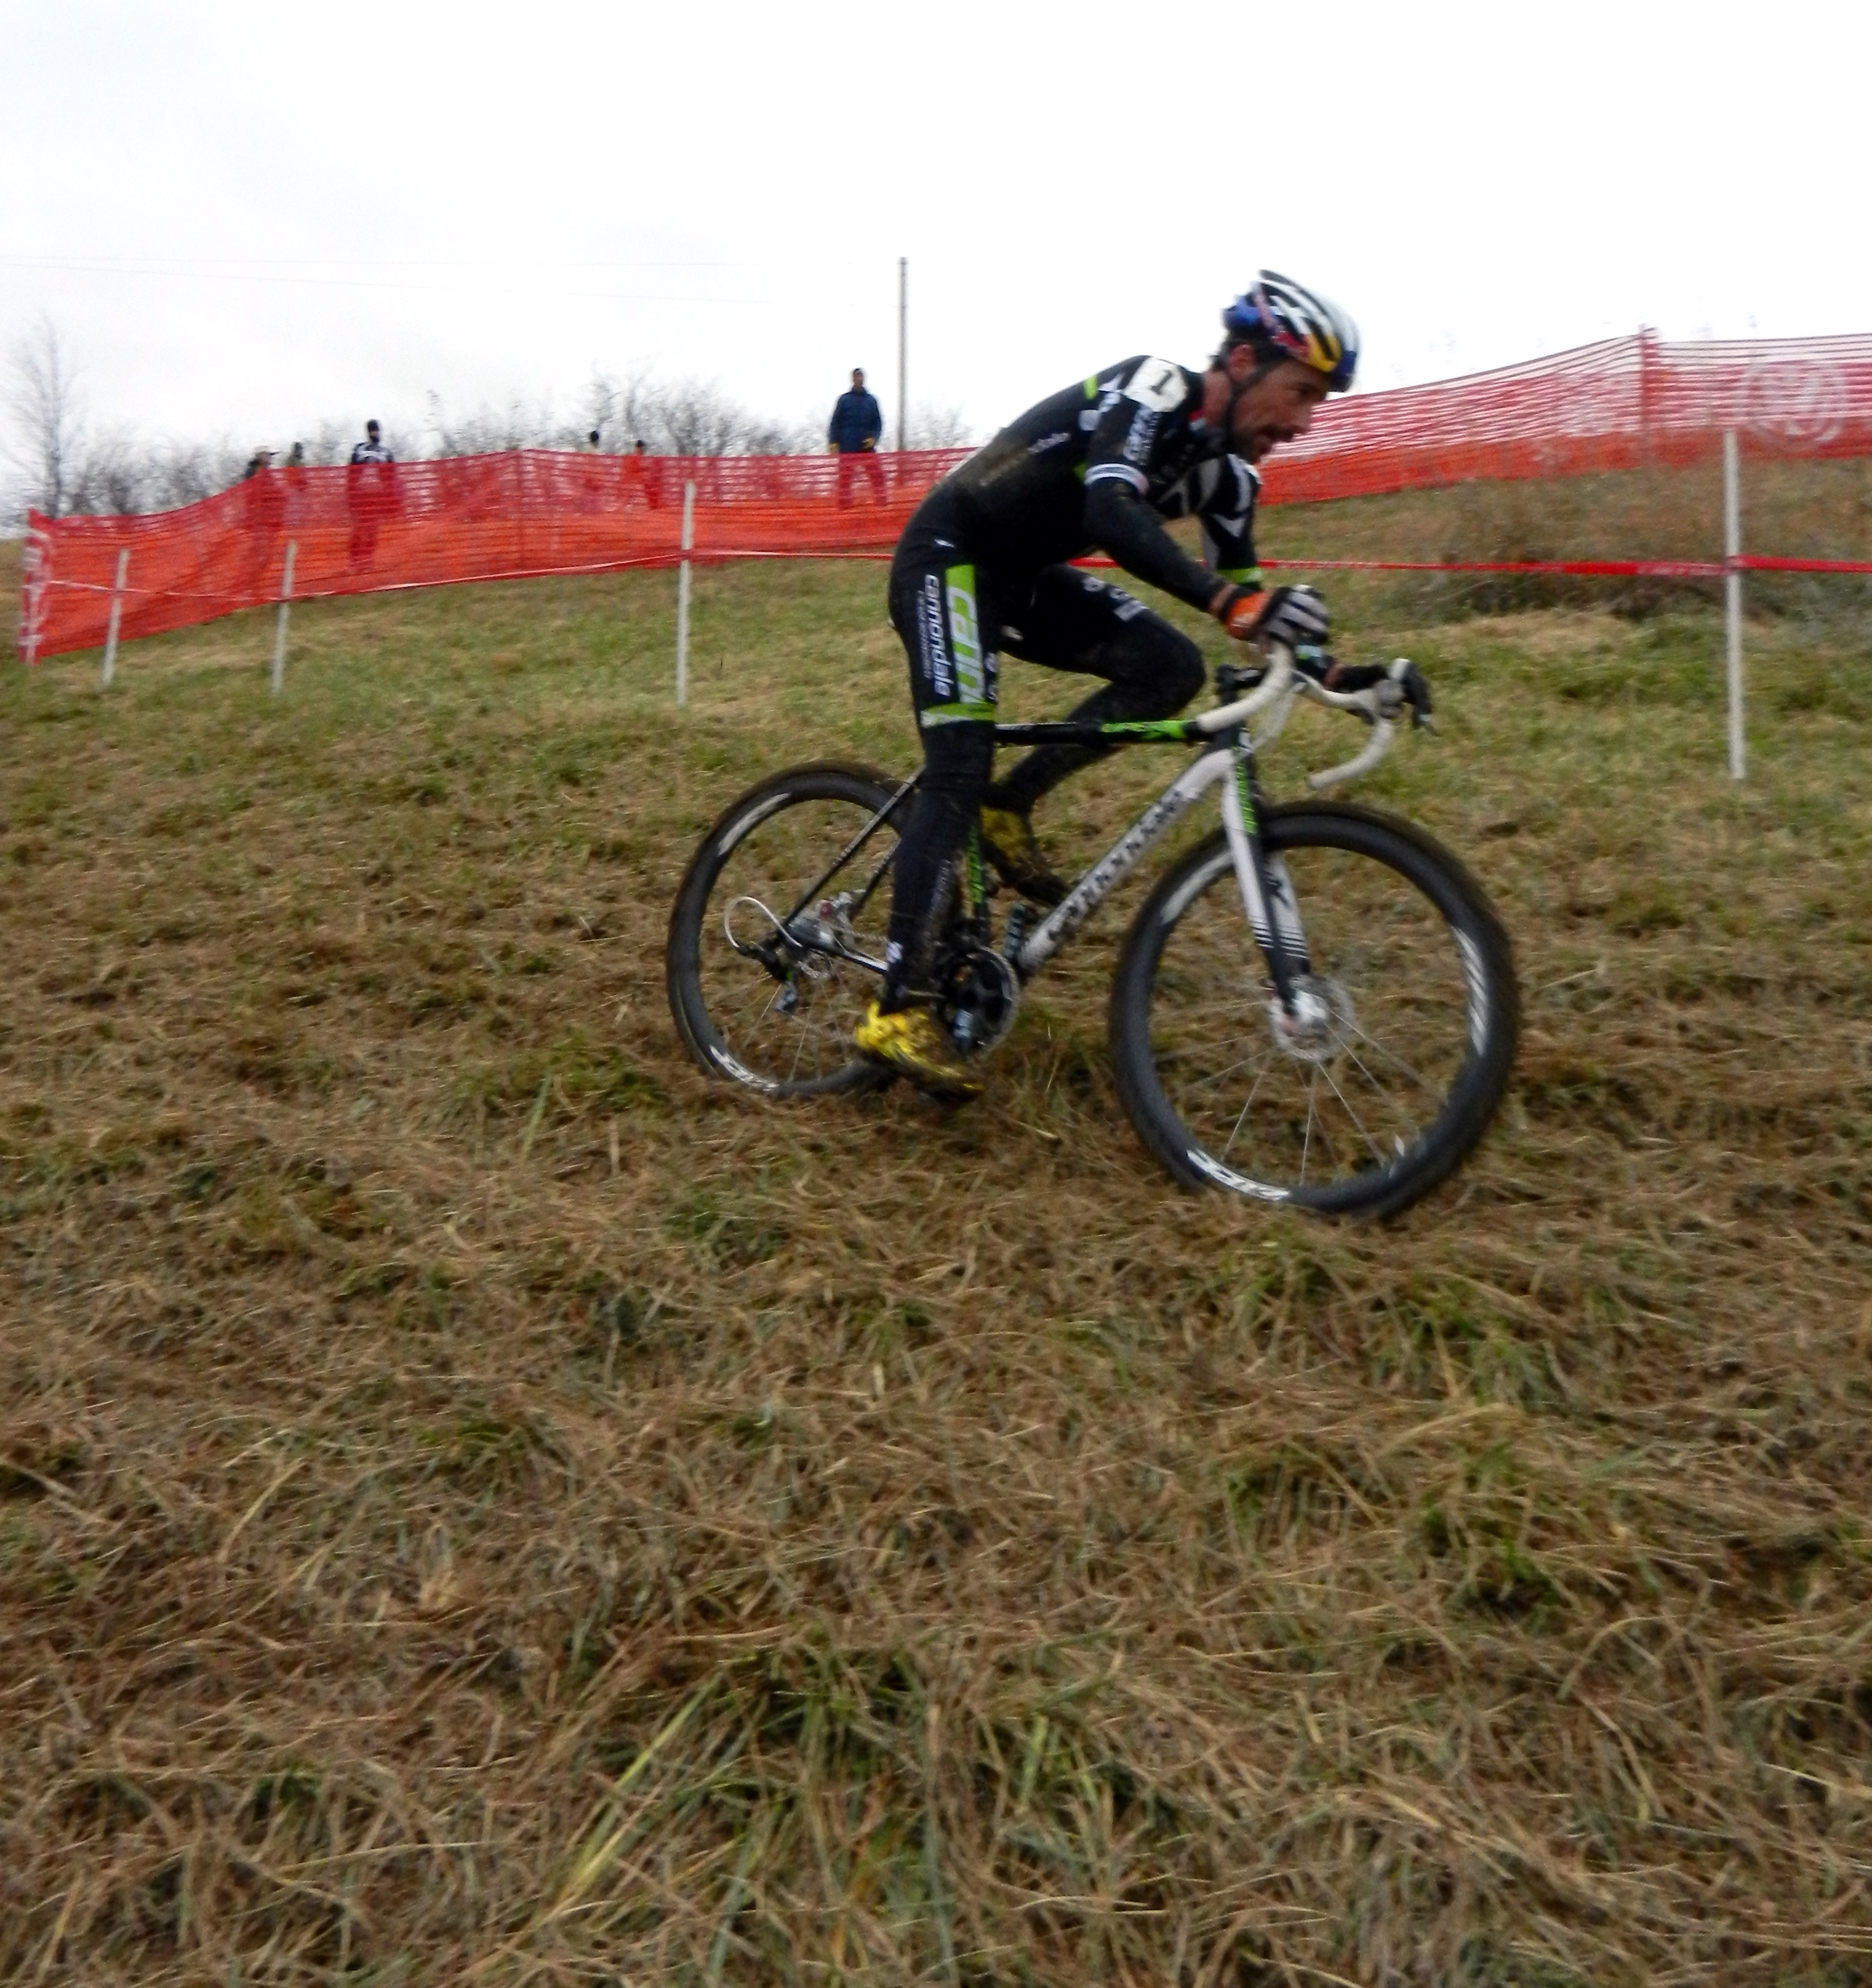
(935, 645)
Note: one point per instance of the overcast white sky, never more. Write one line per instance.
(249, 217)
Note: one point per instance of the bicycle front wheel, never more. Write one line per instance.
(1386, 1077)
(767, 930)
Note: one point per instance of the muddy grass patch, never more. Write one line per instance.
(475, 1495)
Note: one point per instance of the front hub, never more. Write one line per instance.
(1321, 1021)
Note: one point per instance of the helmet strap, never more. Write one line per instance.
(1269, 356)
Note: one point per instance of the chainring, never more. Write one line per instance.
(977, 994)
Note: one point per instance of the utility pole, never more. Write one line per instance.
(903, 352)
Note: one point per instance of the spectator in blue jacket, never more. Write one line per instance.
(857, 425)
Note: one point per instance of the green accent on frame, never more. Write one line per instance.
(1249, 825)
(1147, 728)
(958, 714)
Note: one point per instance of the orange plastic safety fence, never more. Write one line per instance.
(1619, 404)
(367, 527)
(1624, 404)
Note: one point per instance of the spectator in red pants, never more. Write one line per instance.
(265, 506)
(371, 487)
(857, 426)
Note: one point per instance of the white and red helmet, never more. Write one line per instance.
(1292, 322)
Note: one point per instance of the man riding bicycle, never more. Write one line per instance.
(984, 567)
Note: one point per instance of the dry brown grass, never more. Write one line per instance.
(1813, 510)
(481, 1503)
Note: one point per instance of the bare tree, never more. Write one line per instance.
(675, 418)
(110, 474)
(932, 427)
(329, 444)
(598, 411)
(47, 419)
(183, 472)
(66, 467)
(636, 415)
(697, 418)
(489, 429)
(762, 437)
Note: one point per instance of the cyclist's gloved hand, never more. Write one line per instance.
(1294, 615)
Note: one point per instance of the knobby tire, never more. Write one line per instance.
(1419, 979)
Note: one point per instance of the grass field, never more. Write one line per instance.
(480, 1502)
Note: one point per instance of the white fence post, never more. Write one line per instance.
(280, 631)
(682, 595)
(1732, 597)
(116, 617)
(33, 595)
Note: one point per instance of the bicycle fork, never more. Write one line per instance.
(1267, 890)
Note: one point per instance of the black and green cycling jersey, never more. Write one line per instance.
(984, 568)
(1097, 468)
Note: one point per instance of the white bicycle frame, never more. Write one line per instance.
(1221, 767)
(1278, 690)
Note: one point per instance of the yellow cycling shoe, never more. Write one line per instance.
(913, 1041)
(1009, 842)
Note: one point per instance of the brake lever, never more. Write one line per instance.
(1379, 691)
(1378, 694)
(1415, 688)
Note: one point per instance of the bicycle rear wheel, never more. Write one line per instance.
(1406, 1042)
(753, 1002)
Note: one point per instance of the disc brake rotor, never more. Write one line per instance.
(1322, 1022)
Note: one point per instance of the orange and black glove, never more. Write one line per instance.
(1294, 615)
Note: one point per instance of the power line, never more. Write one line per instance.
(29, 257)
(477, 277)
(497, 277)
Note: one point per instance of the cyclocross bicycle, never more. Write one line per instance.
(1316, 1004)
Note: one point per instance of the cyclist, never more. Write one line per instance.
(983, 567)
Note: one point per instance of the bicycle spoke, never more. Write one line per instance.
(764, 996)
(1377, 1151)
(816, 844)
(1422, 1082)
(1357, 1099)
(1242, 1116)
(1377, 1089)
(1203, 1082)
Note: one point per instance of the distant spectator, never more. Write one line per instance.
(857, 425)
(586, 491)
(372, 448)
(371, 487)
(296, 481)
(645, 475)
(264, 506)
